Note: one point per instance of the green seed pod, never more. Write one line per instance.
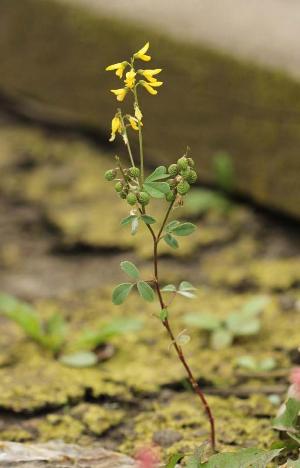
(119, 187)
(134, 172)
(172, 170)
(131, 199)
(183, 187)
(123, 194)
(192, 177)
(182, 163)
(191, 162)
(143, 198)
(185, 172)
(110, 175)
(170, 196)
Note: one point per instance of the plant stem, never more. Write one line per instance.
(140, 138)
(169, 330)
(127, 140)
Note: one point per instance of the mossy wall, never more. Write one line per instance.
(56, 54)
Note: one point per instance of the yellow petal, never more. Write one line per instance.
(130, 79)
(145, 58)
(133, 123)
(149, 88)
(114, 66)
(120, 93)
(115, 126)
(137, 112)
(149, 74)
(143, 50)
(156, 83)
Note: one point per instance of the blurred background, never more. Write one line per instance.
(231, 73)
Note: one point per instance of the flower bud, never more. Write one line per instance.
(182, 163)
(192, 177)
(183, 187)
(170, 196)
(172, 170)
(131, 199)
(119, 187)
(134, 172)
(110, 175)
(143, 198)
(185, 172)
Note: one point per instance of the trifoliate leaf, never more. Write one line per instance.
(171, 241)
(172, 463)
(159, 174)
(134, 225)
(221, 338)
(255, 306)
(169, 288)
(127, 220)
(186, 286)
(202, 320)
(184, 229)
(79, 359)
(172, 225)
(121, 292)
(130, 269)
(240, 326)
(145, 291)
(156, 189)
(148, 219)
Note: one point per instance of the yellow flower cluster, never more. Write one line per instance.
(130, 77)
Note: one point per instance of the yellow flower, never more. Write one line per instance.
(119, 67)
(116, 126)
(141, 54)
(133, 122)
(120, 93)
(149, 86)
(148, 74)
(130, 79)
(137, 112)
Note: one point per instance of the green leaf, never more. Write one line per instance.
(159, 174)
(255, 306)
(121, 292)
(130, 269)
(172, 462)
(148, 219)
(221, 338)
(145, 291)
(245, 458)
(205, 321)
(185, 289)
(172, 225)
(22, 314)
(288, 420)
(267, 364)
(241, 326)
(169, 288)
(134, 225)
(163, 315)
(199, 201)
(91, 339)
(79, 359)
(56, 331)
(171, 241)
(127, 220)
(184, 229)
(248, 362)
(156, 189)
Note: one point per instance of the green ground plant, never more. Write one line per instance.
(53, 334)
(240, 323)
(170, 185)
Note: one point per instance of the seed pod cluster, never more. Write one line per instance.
(127, 185)
(182, 174)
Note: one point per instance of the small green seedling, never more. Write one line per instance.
(52, 334)
(256, 365)
(242, 323)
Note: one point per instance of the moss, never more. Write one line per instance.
(98, 419)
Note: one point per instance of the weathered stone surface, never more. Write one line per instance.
(210, 102)
(58, 454)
